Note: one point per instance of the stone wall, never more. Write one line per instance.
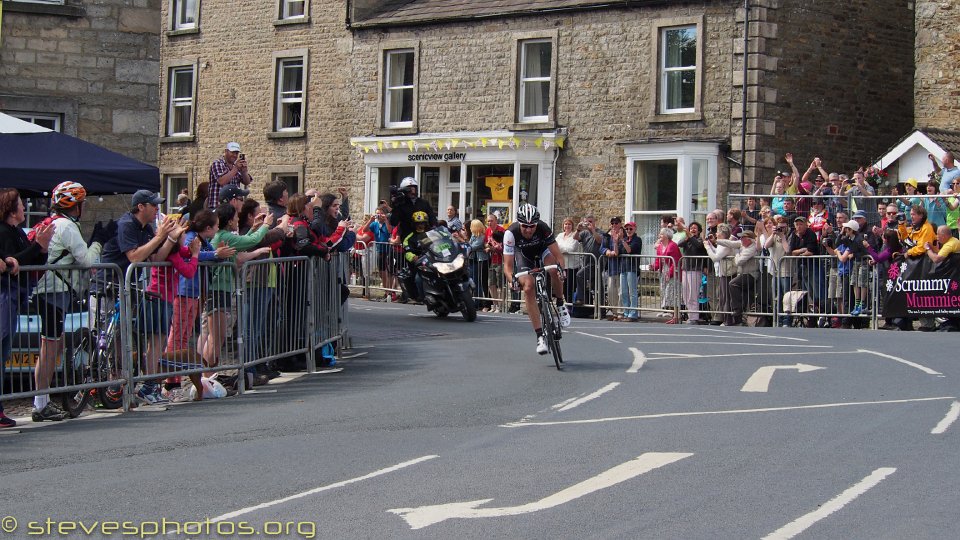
(97, 64)
(937, 56)
(832, 79)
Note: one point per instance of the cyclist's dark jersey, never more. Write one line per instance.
(527, 250)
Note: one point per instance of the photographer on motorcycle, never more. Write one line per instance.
(406, 204)
(412, 249)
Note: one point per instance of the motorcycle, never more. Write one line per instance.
(442, 268)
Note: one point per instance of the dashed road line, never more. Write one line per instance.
(596, 336)
(804, 522)
(589, 397)
(314, 491)
(950, 418)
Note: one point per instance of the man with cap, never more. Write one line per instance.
(803, 243)
(851, 270)
(231, 169)
(136, 239)
(748, 271)
(911, 200)
(234, 196)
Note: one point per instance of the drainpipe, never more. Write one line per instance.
(743, 132)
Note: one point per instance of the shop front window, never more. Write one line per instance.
(494, 188)
(529, 180)
(390, 176)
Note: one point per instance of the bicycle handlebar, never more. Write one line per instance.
(536, 270)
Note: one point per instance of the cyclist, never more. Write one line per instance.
(57, 290)
(529, 243)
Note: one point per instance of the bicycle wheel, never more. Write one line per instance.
(549, 320)
(108, 369)
(554, 341)
(76, 370)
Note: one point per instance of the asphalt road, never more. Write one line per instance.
(447, 429)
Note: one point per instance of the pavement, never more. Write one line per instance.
(452, 429)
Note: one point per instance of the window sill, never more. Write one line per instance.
(532, 126)
(182, 32)
(676, 117)
(286, 134)
(178, 139)
(397, 131)
(43, 9)
(288, 22)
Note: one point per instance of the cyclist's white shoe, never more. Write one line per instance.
(564, 315)
(541, 345)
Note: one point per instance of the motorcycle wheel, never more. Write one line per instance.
(469, 310)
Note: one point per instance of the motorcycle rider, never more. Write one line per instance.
(529, 243)
(406, 203)
(412, 249)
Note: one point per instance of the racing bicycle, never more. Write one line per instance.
(549, 317)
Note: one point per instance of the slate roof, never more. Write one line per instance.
(407, 12)
(948, 140)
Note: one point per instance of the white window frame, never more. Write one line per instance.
(284, 10)
(388, 90)
(171, 186)
(665, 72)
(174, 103)
(33, 118)
(522, 117)
(684, 153)
(281, 98)
(176, 12)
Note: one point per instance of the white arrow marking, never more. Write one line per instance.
(596, 336)
(567, 405)
(760, 380)
(425, 516)
(638, 360)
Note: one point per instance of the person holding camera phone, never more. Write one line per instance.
(231, 169)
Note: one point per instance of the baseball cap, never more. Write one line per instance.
(615, 219)
(145, 196)
(853, 225)
(230, 192)
(859, 214)
(233, 146)
(799, 218)
(913, 182)
(748, 234)
(630, 224)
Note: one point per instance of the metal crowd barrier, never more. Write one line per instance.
(655, 293)
(385, 259)
(818, 293)
(123, 329)
(87, 360)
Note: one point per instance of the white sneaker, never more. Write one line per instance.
(542, 345)
(564, 315)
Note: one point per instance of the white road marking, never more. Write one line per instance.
(685, 356)
(950, 418)
(326, 371)
(638, 360)
(712, 336)
(353, 355)
(754, 334)
(729, 411)
(760, 380)
(314, 491)
(715, 343)
(924, 369)
(424, 516)
(580, 401)
(596, 336)
(557, 406)
(804, 522)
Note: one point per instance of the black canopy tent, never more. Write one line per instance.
(35, 162)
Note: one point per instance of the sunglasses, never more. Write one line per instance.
(525, 226)
(891, 213)
(630, 228)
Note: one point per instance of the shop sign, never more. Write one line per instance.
(439, 156)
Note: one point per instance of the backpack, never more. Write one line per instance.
(32, 234)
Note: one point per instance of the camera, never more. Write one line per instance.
(908, 243)
(828, 242)
(242, 157)
(901, 217)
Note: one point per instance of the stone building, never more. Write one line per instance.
(630, 108)
(87, 69)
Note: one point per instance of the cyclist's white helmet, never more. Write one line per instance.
(528, 214)
(408, 182)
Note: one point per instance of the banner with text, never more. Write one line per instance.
(920, 288)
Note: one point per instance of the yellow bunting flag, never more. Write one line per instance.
(560, 141)
(410, 145)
